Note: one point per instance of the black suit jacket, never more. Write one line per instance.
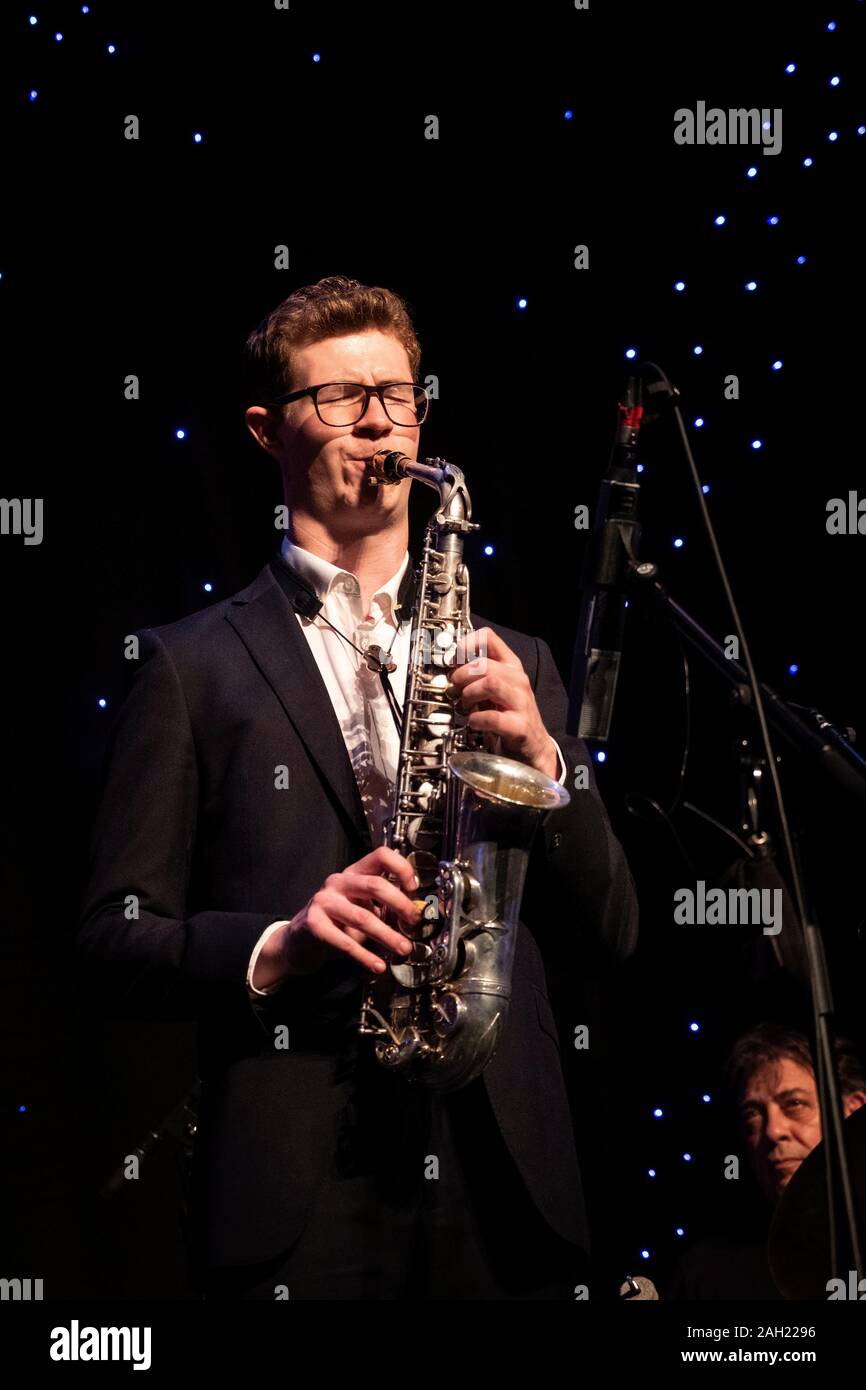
(196, 850)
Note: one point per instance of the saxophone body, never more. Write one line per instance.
(464, 817)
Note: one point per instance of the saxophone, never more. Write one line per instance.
(464, 817)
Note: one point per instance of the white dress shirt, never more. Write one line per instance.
(356, 693)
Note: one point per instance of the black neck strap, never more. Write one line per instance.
(306, 601)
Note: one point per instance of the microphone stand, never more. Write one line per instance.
(830, 750)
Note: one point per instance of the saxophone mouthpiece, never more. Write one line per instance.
(388, 466)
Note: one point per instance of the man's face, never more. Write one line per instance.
(324, 467)
(781, 1121)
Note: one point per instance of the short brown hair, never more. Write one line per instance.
(770, 1042)
(331, 308)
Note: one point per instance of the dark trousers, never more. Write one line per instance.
(421, 1201)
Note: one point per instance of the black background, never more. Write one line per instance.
(155, 257)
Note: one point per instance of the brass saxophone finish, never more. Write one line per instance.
(465, 819)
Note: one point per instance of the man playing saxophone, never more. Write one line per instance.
(254, 845)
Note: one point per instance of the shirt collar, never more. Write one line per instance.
(324, 577)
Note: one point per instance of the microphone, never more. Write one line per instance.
(598, 647)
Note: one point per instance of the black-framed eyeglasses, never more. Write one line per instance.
(345, 402)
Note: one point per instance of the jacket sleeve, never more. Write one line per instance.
(137, 953)
(579, 880)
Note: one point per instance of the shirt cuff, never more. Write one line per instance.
(563, 770)
(268, 931)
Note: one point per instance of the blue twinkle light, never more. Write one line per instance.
(639, 468)
(197, 138)
(521, 303)
(33, 94)
(180, 434)
(33, 19)
(757, 444)
(644, 1254)
(777, 365)
(801, 260)
(833, 135)
(792, 67)
(832, 25)
(630, 353)
(861, 130)
(488, 550)
(772, 221)
(694, 1027)
(705, 1098)
(751, 285)
(834, 81)
(568, 115)
(698, 422)
(21, 1109)
(697, 350)
(807, 162)
(679, 286)
(207, 588)
(679, 543)
(793, 669)
(720, 220)
(751, 172)
(111, 48)
(687, 1157)
(102, 702)
(317, 57)
(658, 1112)
(680, 1231)
(59, 38)
(651, 1172)
(601, 756)
(705, 487)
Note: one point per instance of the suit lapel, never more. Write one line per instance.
(268, 627)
